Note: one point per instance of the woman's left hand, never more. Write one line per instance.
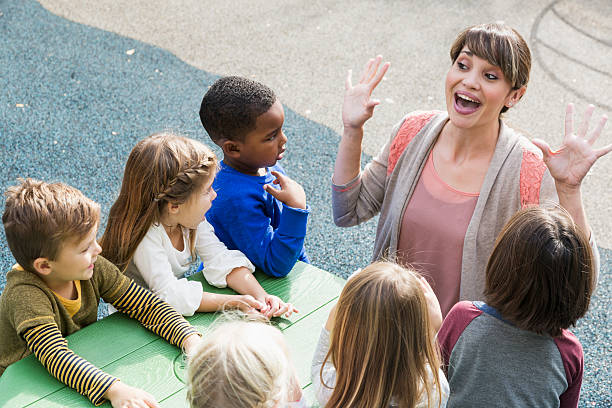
(573, 160)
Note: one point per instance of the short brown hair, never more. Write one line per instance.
(40, 217)
(502, 46)
(541, 275)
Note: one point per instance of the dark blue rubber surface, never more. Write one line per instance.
(86, 103)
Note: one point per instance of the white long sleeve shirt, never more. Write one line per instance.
(160, 267)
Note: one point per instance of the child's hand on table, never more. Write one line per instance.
(122, 395)
(191, 342)
(275, 307)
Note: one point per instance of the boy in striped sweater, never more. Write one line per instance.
(56, 286)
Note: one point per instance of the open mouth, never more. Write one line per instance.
(466, 104)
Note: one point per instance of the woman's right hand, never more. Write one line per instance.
(358, 105)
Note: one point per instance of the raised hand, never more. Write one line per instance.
(358, 105)
(291, 192)
(572, 161)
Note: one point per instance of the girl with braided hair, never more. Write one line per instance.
(157, 226)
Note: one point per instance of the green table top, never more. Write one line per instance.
(123, 348)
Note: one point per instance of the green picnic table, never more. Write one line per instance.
(123, 348)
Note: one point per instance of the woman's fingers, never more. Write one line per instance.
(374, 68)
(544, 147)
(379, 76)
(598, 129)
(348, 84)
(603, 151)
(366, 70)
(585, 121)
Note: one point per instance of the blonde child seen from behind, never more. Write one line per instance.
(243, 365)
(378, 346)
(157, 226)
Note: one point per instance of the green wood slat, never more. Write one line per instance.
(24, 382)
(150, 368)
(302, 340)
(307, 287)
(309, 393)
(92, 343)
(177, 400)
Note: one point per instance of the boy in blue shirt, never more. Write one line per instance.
(259, 210)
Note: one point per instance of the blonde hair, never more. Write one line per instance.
(382, 341)
(39, 218)
(239, 365)
(163, 168)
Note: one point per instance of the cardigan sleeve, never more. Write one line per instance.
(218, 261)
(361, 198)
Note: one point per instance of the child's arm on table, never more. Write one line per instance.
(185, 296)
(224, 267)
(51, 349)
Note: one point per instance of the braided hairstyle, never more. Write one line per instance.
(163, 168)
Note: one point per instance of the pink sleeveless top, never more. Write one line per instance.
(432, 233)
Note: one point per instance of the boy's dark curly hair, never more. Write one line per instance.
(231, 106)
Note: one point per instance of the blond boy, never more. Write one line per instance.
(56, 286)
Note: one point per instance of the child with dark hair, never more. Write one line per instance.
(539, 281)
(260, 211)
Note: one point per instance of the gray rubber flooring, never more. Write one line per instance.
(74, 101)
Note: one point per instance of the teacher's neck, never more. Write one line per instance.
(471, 142)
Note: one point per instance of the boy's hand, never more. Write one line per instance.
(290, 193)
(122, 395)
(276, 307)
(435, 314)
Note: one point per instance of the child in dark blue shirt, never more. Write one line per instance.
(259, 210)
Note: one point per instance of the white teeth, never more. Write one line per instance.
(466, 98)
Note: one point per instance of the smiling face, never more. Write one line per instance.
(476, 91)
(262, 147)
(76, 259)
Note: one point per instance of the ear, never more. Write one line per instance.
(515, 96)
(42, 266)
(231, 148)
(172, 208)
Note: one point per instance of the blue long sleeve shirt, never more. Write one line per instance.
(245, 217)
